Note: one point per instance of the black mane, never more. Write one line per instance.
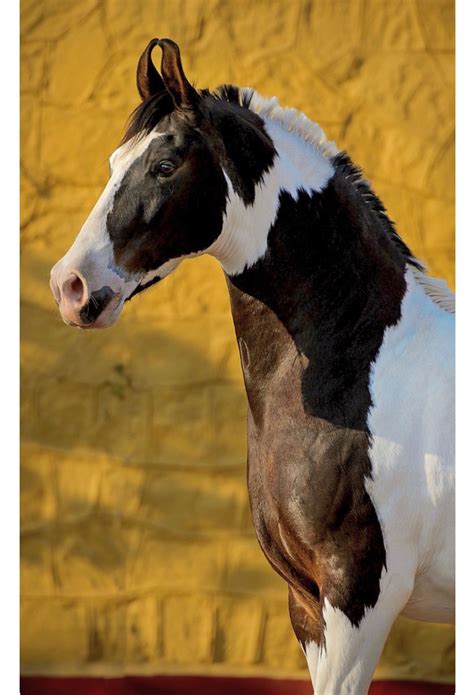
(343, 163)
(148, 114)
(151, 111)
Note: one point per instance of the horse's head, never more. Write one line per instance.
(184, 153)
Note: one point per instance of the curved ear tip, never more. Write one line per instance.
(167, 42)
(152, 43)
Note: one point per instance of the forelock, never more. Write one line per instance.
(148, 115)
(151, 111)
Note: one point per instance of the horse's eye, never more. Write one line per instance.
(165, 168)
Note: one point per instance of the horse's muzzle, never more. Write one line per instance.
(80, 307)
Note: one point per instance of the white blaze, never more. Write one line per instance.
(92, 253)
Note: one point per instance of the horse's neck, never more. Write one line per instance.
(314, 307)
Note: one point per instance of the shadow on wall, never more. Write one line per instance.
(133, 483)
(136, 532)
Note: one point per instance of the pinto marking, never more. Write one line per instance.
(243, 239)
(91, 252)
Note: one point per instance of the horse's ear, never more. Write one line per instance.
(149, 80)
(183, 93)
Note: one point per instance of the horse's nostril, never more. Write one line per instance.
(77, 288)
(73, 289)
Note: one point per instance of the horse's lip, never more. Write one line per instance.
(139, 288)
(110, 314)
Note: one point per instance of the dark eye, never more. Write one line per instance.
(164, 168)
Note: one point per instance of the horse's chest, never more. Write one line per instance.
(313, 516)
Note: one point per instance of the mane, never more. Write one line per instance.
(292, 120)
(437, 290)
(343, 163)
(150, 112)
(295, 121)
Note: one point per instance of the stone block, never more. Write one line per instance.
(182, 431)
(167, 353)
(183, 445)
(53, 632)
(107, 628)
(123, 420)
(92, 556)
(239, 631)
(156, 305)
(437, 17)
(447, 66)
(67, 412)
(54, 19)
(393, 90)
(440, 180)
(32, 67)
(36, 564)
(30, 119)
(28, 203)
(78, 480)
(114, 88)
(182, 404)
(131, 24)
(195, 502)
(81, 161)
(280, 648)
(37, 486)
(172, 565)
(66, 51)
(321, 25)
(200, 288)
(188, 629)
(121, 491)
(143, 630)
(393, 25)
(247, 570)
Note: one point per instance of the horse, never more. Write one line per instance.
(346, 347)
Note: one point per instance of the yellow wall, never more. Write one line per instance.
(138, 552)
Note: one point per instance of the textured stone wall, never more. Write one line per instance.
(138, 552)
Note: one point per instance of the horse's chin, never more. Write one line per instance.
(106, 319)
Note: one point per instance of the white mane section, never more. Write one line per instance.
(292, 120)
(437, 290)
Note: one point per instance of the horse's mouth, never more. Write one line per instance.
(141, 288)
(101, 311)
